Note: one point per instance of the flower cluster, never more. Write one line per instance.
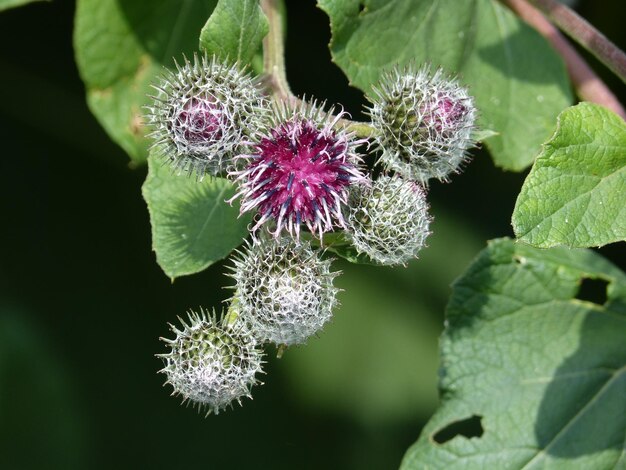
(300, 171)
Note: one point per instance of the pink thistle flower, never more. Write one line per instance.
(299, 171)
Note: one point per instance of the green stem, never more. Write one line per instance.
(274, 52)
(360, 129)
(581, 31)
(275, 71)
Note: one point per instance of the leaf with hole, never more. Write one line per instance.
(192, 225)
(519, 82)
(575, 195)
(120, 46)
(533, 373)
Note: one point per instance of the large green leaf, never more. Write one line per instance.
(575, 195)
(519, 82)
(535, 374)
(6, 4)
(120, 46)
(235, 30)
(192, 225)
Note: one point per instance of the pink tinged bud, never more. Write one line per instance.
(199, 121)
(445, 114)
(425, 121)
(201, 113)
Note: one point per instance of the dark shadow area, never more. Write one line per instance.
(469, 427)
(309, 67)
(593, 290)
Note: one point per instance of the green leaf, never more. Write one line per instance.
(535, 374)
(350, 253)
(120, 46)
(481, 135)
(519, 82)
(6, 4)
(235, 30)
(575, 195)
(338, 244)
(192, 225)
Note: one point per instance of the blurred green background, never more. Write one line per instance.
(83, 302)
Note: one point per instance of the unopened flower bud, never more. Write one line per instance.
(283, 291)
(202, 113)
(211, 363)
(388, 221)
(425, 122)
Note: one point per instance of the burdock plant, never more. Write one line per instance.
(533, 364)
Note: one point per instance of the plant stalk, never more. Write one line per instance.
(589, 87)
(581, 31)
(275, 70)
(274, 52)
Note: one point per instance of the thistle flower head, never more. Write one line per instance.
(201, 113)
(211, 363)
(388, 221)
(283, 291)
(299, 170)
(425, 121)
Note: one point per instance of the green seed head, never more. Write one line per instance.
(284, 291)
(425, 121)
(211, 363)
(388, 221)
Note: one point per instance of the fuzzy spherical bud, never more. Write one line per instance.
(298, 171)
(425, 122)
(283, 291)
(202, 113)
(389, 220)
(211, 363)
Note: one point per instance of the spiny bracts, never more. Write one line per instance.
(202, 113)
(388, 220)
(211, 362)
(298, 171)
(424, 123)
(284, 291)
